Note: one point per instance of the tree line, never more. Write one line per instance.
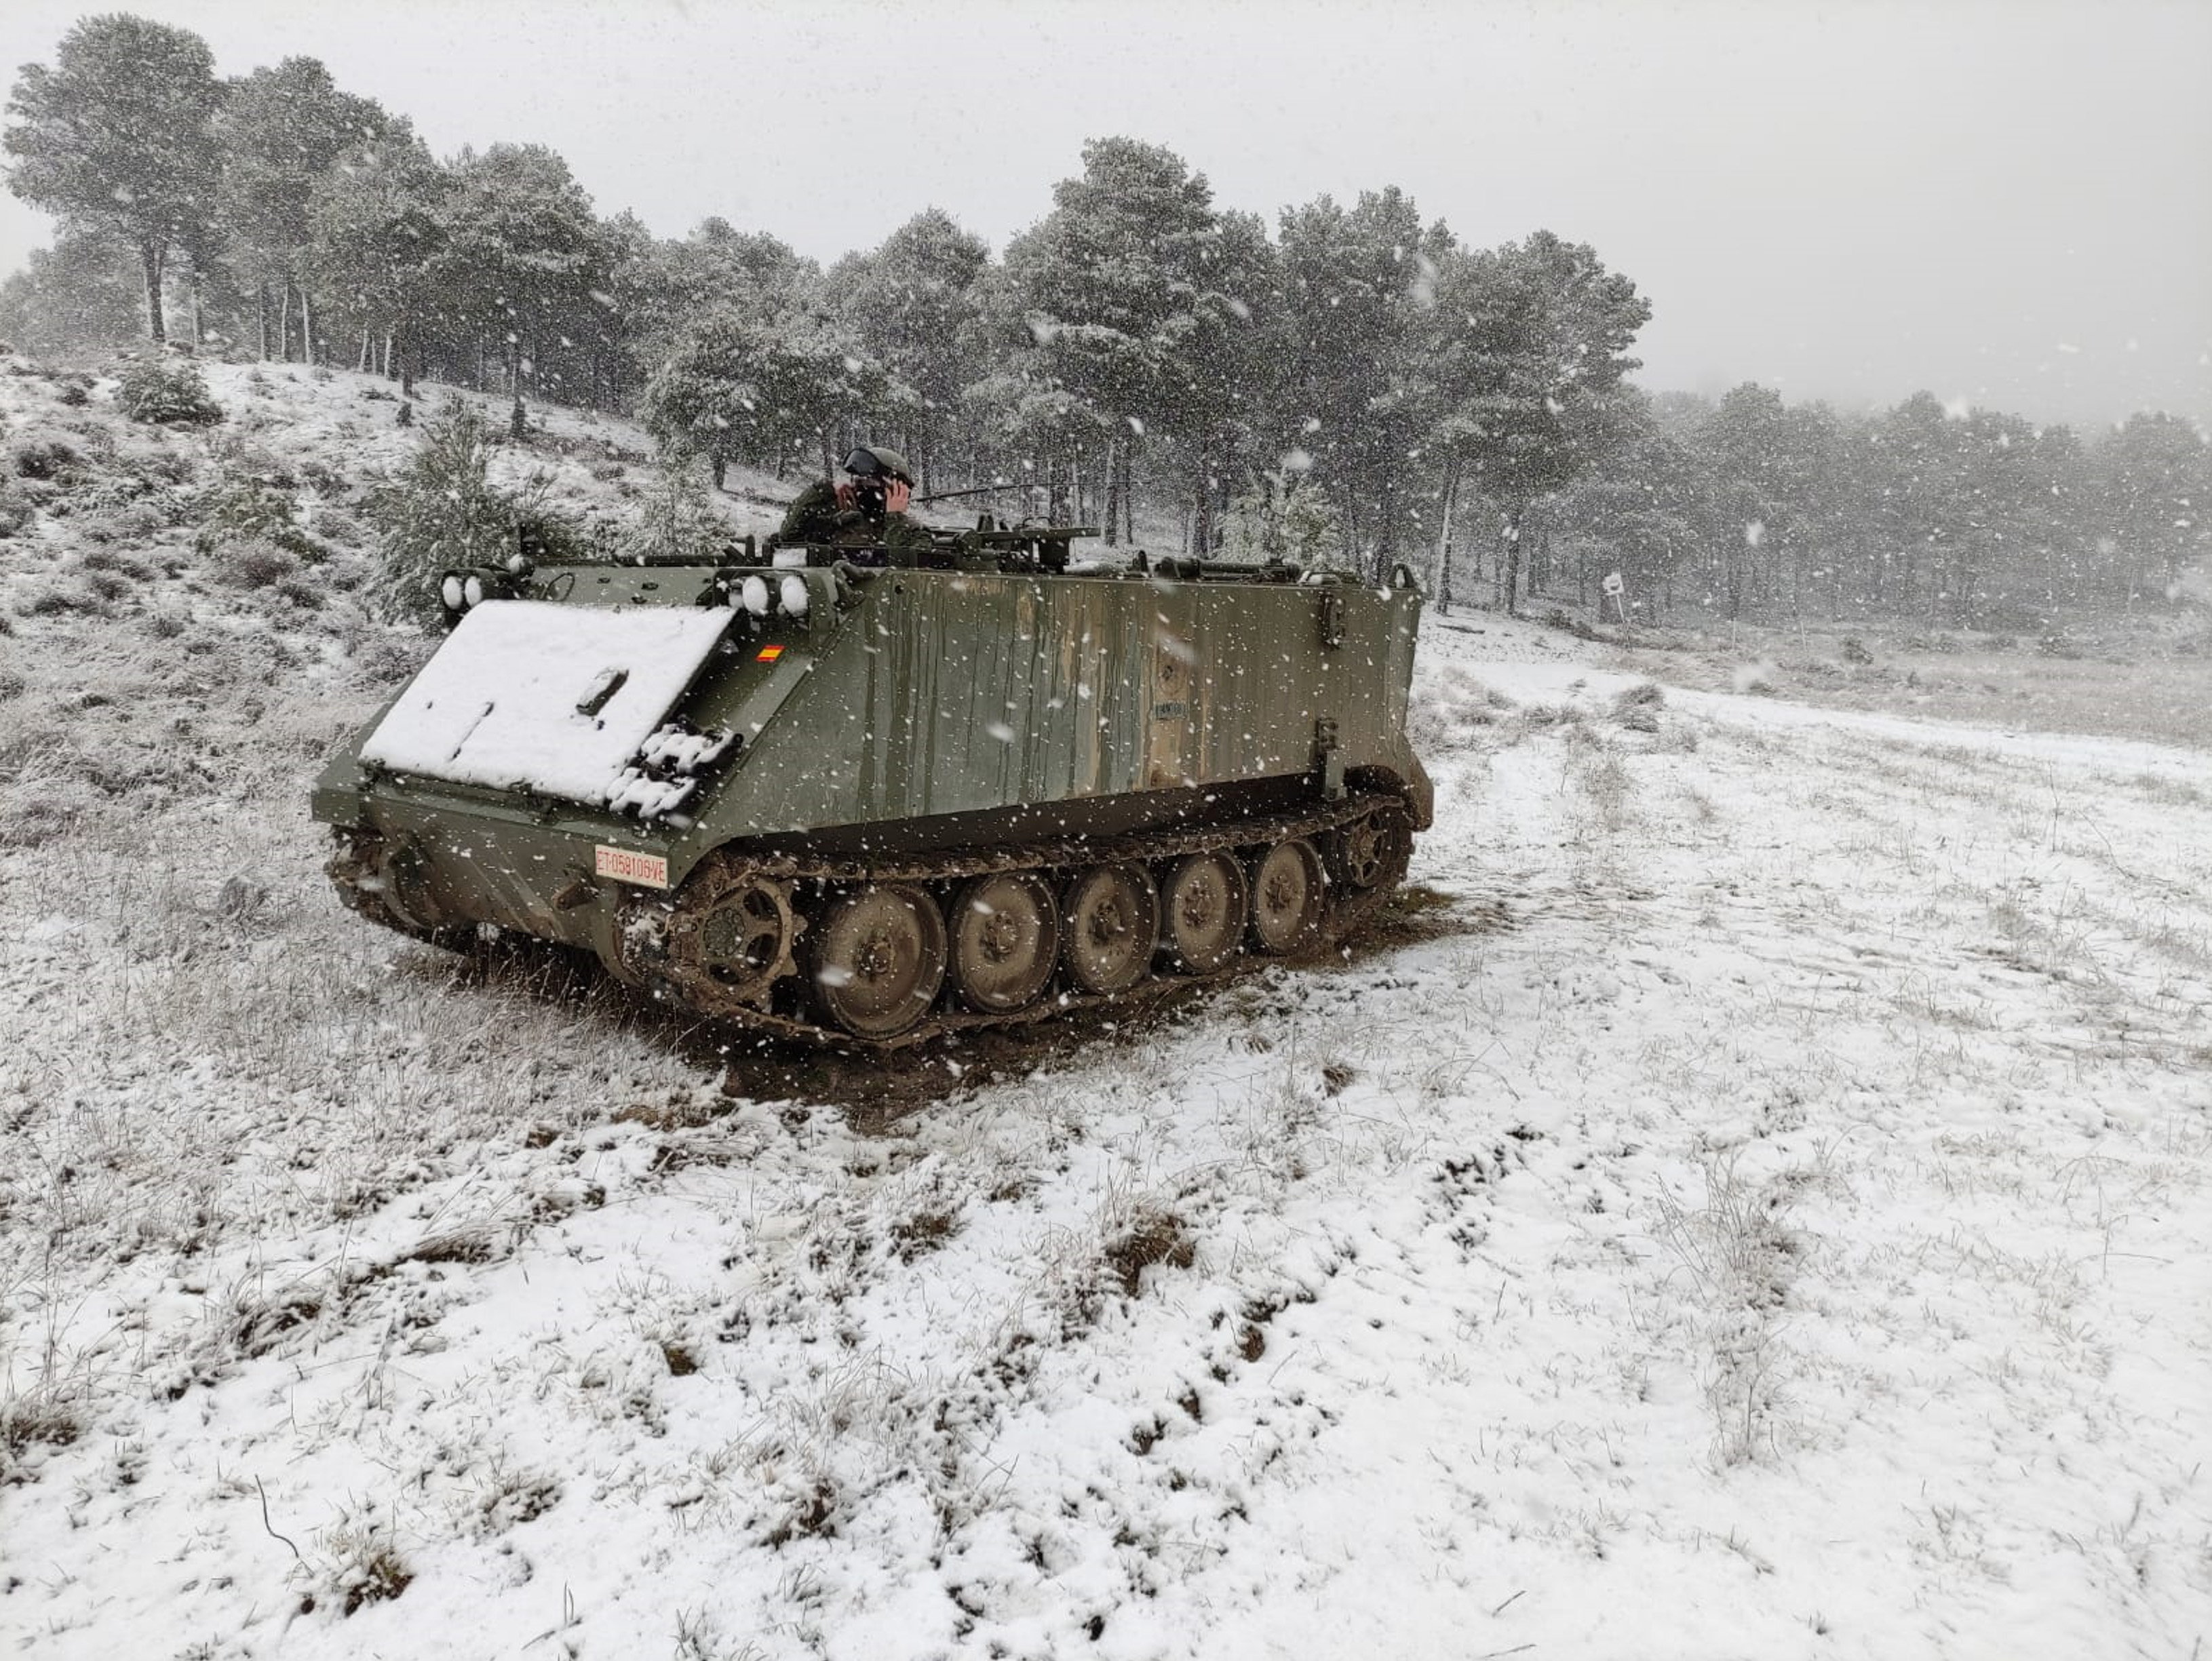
(1352, 382)
(1956, 517)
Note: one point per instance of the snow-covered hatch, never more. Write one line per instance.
(555, 699)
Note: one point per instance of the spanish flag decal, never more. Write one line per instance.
(768, 654)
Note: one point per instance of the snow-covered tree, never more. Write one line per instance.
(1107, 283)
(83, 291)
(521, 259)
(280, 130)
(2155, 475)
(119, 137)
(1532, 348)
(378, 241)
(1359, 286)
(737, 386)
(914, 305)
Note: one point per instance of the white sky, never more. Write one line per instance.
(2010, 202)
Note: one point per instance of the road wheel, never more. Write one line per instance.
(1203, 904)
(878, 960)
(731, 937)
(1006, 939)
(1112, 922)
(1371, 852)
(1286, 897)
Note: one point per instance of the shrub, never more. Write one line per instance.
(45, 456)
(241, 457)
(256, 562)
(1636, 707)
(157, 467)
(323, 479)
(248, 508)
(137, 523)
(106, 559)
(678, 521)
(443, 510)
(337, 527)
(109, 491)
(14, 513)
(172, 393)
(60, 602)
(1854, 650)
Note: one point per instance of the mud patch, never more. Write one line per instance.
(1417, 915)
(875, 1089)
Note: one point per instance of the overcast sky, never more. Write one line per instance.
(2008, 203)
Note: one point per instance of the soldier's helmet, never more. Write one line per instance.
(873, 463)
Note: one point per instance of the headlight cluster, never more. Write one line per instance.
(462, 591)
(790, 595)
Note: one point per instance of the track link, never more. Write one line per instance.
(648, 921)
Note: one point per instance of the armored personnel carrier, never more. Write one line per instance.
(868, 796)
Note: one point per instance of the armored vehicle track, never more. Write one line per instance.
(888, 953)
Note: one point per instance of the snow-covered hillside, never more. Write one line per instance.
(1750, 1200)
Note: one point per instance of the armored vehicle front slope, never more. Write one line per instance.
(873, 803)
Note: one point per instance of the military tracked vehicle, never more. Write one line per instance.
(868, 796)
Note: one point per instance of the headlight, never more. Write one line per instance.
(795, 596)
(754, 595)
(472, 590)
(450, 591)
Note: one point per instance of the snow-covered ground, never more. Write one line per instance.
(1751, 1202)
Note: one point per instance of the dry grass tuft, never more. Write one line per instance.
(366, 1566)
(923, 1233)
(1742, 1258)
(1152, 1236)
(38, 1418)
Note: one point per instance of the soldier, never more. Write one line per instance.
(868, 509)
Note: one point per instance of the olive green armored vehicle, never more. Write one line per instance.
(868, 796)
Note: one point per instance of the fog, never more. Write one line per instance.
(2004, 205)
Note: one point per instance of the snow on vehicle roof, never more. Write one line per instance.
(555, 699)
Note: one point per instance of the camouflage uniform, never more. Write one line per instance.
(816, 518)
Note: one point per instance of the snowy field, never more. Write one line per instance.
(1752, 1202)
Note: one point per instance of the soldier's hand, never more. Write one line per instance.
(897, 493)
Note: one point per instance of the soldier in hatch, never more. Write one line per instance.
(866, 509)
